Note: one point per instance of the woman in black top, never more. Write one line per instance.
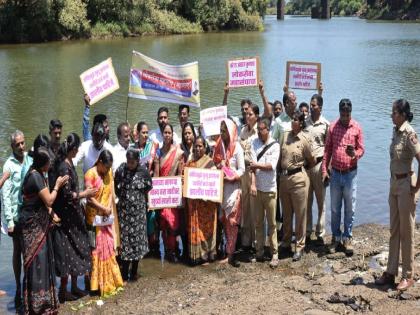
(36, 220)
(71, 243)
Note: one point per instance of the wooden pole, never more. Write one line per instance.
(126, 109)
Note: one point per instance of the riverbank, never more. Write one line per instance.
(77, 19)
(306, 287)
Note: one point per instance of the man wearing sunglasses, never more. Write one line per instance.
(343, 149)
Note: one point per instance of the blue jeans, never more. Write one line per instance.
(343, 187)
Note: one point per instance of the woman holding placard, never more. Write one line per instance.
(169, 161)
(100, 217)
(202, 215)
(229, 157)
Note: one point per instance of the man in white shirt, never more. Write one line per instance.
(265, 153)
(89, 150)
(120, 149)
(156, 135)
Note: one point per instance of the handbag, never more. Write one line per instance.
(101, 220)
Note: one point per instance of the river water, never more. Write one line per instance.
(370, 63)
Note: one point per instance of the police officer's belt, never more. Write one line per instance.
(291, 172)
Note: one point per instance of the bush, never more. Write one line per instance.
(166, 22)
(73, 18)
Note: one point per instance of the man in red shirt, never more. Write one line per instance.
(343, 149)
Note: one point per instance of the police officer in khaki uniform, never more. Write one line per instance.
(316, 129)
(294, 183)
(403, 195)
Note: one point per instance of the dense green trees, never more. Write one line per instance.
(393, 9)
(338, 7)
(40, 20)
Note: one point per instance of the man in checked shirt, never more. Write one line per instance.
(343, 148)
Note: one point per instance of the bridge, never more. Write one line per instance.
(322, 12)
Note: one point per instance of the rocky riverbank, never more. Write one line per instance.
(320, 283)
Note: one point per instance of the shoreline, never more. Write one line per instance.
(303, 287)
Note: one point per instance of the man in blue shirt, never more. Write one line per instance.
(10, 201)
(100, 118)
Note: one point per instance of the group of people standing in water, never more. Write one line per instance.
(275, 165)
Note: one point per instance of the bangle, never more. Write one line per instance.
(55, 189)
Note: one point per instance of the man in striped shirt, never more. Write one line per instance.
(343, 149)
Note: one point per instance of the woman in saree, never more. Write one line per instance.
(229, 157)
(132, 183)
(36, 221)
(71, 243)
(169, 161)
(202, 215)
(187, 145)
(147, 150)
(188, 139)
(105, 275)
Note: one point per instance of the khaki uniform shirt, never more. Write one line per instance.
(404, 146)
(295, 151)
(317, 134)
(246, 138)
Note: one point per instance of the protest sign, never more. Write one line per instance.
(243, 72)
(166, 192)
(211, 118)
(206, 184)
(154, 80)
(99, 81)
(303, 75)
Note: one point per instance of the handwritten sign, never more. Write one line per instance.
(99, 81)
(303, 75)
(203, 184)
(211, 118)
(166, 192)
(243, 72)
(154, 80)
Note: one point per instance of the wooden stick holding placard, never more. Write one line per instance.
(316, 65)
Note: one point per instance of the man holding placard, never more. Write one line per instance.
(265, 153)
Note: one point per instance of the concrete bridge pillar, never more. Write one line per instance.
(325, 9)
(280, 9)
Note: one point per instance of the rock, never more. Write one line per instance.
(392, 294)
(406, 296)
(357, 281)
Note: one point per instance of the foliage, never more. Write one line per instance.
(40, 20)
(73, 18)
(393, 9)
(338, 7)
